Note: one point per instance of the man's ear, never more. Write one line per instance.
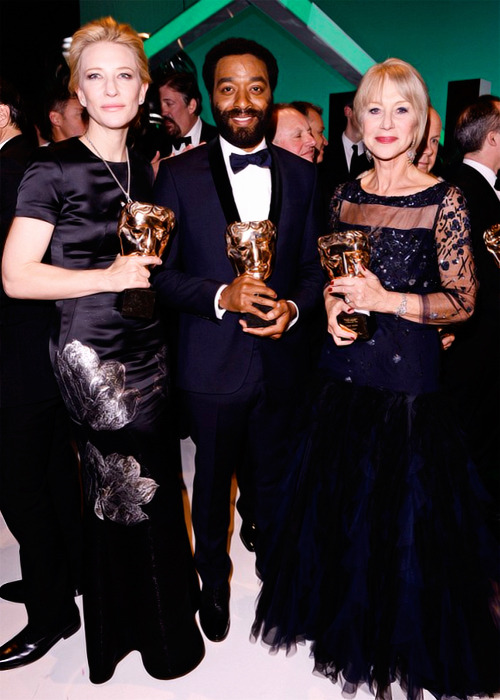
(192, 106)
(55, 118)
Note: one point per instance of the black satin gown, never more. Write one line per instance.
(382, 556)
(140, 589)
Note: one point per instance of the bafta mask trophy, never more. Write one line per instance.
(492, 240)
(251, 246)
(143, 229)
(342, 253)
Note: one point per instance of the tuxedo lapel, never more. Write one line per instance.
(276, 188)
(225, 191)
(221, 181)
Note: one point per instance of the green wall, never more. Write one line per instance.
(444, 39)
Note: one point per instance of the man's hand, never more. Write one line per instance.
(240, 295)
(283, 313)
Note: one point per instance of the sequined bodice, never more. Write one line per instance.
(419, 244)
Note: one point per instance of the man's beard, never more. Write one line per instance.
(242, 137)
(171, 127)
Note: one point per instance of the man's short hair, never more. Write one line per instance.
(55, 101)
(306, 107)
(185, 84)
(475, 122)
(11, 98)
(237, 46)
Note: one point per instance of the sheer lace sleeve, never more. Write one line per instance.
(455, 302)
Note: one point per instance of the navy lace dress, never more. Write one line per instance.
(382, 558)
(140, 587)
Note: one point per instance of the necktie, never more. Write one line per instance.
(356, 167)
(177, 143)
(239, 161)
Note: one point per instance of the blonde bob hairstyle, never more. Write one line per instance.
(408, 81)
(105, 29)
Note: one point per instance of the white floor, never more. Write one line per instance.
(231, 670)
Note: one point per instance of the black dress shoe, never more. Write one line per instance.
(214, 612)
(248, 535)
(13, 591)
(29, 646)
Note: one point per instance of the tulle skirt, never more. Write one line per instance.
(382, 557)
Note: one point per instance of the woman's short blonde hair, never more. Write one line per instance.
(105, 29)
(409, 83)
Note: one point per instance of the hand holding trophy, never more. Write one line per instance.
(251, 248)
(342, 254)
(491, 238)
(143, 229)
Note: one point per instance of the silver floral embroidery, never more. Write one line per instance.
(117, 486)
(94, 391)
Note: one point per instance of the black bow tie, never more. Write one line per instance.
(177, 143)
(239, 161)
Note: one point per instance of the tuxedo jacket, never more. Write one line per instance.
(214, 355)
(208, 132)
(333, 170)
(484, 210)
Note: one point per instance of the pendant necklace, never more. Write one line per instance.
(125, 192)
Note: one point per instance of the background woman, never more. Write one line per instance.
(389, 568)
(140, 588)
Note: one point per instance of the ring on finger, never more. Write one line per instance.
(347, 300)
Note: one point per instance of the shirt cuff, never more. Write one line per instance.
(218, 311)
(294, 321)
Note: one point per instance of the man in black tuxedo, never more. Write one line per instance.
(471, 364)
(345, 156)
(39, 481)
(240, 384)
(180, 106)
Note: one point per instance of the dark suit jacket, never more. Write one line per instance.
(214, 355)
(208, 132)
(484, 210)
(333, 170)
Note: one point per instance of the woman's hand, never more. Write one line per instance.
(334, 305)
(129, 272)
(364, 292)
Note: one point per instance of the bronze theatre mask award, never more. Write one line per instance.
(342, 254)
(251, 246)
(491, 238)
(143, 229)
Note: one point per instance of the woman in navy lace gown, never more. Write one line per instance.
(140, 588)
(384, 561)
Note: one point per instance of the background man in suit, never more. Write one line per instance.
(345, 157)
(62, 117)
(239, 384)
(180, 105)
(471, 364)
(39, 482)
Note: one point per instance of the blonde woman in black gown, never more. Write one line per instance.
(384, 561)
(140, 588)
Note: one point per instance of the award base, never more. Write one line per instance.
(361, 324)
(137, 303)
(255, 321)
